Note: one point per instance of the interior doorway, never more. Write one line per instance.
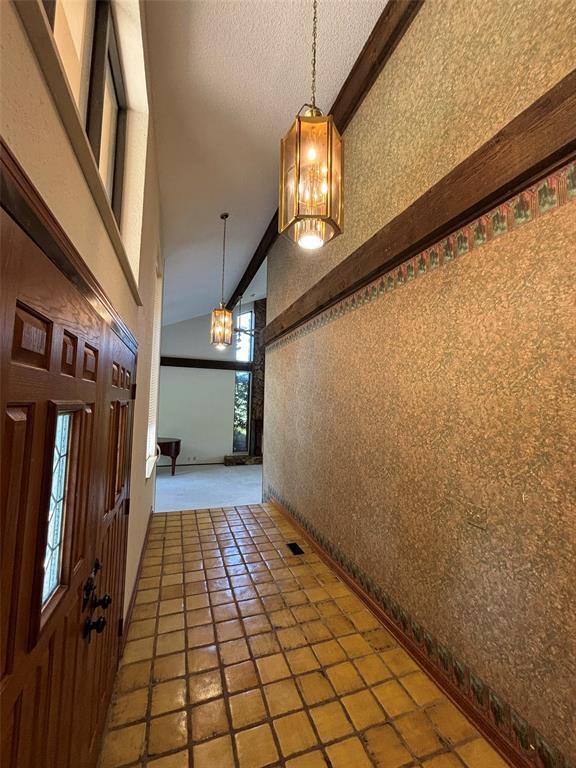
(211, 414)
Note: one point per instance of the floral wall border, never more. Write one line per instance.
(487, 702)
(551, 192)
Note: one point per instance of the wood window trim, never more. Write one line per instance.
(35, 20)
(50, 8)
(105, 50)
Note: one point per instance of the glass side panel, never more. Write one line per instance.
(73, 33)
(241, 410)
(244, 341)
(336, 207)
(288, 177)
(108, 136)
(57, 506)
(313, 185)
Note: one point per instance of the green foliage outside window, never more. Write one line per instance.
(241, 400)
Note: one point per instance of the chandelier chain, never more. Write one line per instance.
(314, 33)
(224, 217)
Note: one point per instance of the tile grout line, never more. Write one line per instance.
(223, 528)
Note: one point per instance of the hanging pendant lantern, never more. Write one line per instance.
(310, 204)
(221, 322)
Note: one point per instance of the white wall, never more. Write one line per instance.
(197, 405)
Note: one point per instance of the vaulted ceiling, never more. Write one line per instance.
(227, 78)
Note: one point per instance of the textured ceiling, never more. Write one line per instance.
(227, 79)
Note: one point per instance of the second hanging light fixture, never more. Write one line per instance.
(221, 321)
(311, 168)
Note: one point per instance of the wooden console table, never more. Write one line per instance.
(170, 446)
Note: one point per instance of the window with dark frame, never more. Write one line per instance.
(242, 384)
(106, 97)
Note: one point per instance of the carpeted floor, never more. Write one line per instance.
(206, 486)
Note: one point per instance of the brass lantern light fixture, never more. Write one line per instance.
(311, 166)
(221, 324)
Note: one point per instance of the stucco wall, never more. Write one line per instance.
(426, 436)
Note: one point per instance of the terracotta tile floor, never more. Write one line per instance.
(242, 654)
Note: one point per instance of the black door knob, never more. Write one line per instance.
(104, 602)
(94, 626)
(89, 588)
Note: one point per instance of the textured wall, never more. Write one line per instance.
(426, 435)
(464, 69)
(429, 436)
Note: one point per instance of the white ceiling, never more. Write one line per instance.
(227, 78)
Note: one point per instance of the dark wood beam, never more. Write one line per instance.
(535, 142)
(197, 362)
(267, 241)
(387, 33)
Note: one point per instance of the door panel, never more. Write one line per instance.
(65, 481)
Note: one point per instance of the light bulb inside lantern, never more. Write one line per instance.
(220, 347)
(309, 236)
(310, 242)
(311, 154)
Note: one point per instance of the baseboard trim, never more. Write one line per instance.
(128, 617)
(539, 755)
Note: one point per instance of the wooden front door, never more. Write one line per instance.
(65, 441)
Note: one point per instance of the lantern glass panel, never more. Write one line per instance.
(313, 177)
(288, 175)
(221, 328)
(336, 180)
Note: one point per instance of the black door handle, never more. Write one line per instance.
(89, 588)
(97, 626)
(103, 602)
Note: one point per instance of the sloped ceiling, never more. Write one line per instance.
(227, 79)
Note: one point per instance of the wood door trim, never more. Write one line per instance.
(196, 362)
(384, 38)
(536, 142)
(22, 201)
(484, 726)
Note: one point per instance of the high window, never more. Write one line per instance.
(73, 28)
(243, 382)
(85, 36)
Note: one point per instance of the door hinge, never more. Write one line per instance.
(133, 391)
(120, 627)
(127, 506)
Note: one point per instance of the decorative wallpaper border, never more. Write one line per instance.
(551, 192)
(489, 704)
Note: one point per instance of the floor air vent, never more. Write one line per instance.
(295, 548)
